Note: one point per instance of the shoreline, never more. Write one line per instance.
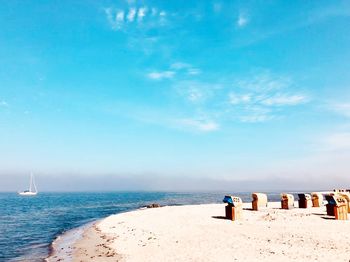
(66, 245)
(61, 247)
(200, 232)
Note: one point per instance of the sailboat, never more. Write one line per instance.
(32, 185)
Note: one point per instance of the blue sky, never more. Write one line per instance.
(224, 91)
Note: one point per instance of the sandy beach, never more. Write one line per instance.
(200, 233)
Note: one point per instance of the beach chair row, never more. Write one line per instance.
(338, 203)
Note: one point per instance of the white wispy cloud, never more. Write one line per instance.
(199, 125)
(341, 108)
(179, 68)
(154, 11)
(121, 18)
(267, 100)
(307, 18)
(163, 18)
(195, 95)
(284, 100)
(190, 70)
(3, 103)
(242, 20)
(141, 13)
(193, 71)
(255, 118)
(179, 65)
(175, 119)
(115, 18)
(263, 82)
(131, 14)
(195, 92)
(159, 75)
(262, 97)
(239, 98)
(255, 114)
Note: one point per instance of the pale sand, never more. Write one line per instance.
(198, 233)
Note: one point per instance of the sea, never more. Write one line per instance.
(28, 225)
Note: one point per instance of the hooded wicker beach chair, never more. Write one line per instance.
(317, 199)
(287, 201)
(346, 195)
(337, 206)
(259, 201)
(304, 200)
(234, 208)
(331, 204)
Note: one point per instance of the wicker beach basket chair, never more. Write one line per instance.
(234, 208)
(337, 206)
(346, 195)
(259, 200)
(287, 201)
(304, 200)
(317, 199)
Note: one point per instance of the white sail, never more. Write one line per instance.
(33, 181)
(30, 183)
(30, 192)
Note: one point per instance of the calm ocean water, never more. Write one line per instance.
(28, 225)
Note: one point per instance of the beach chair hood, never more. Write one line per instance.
(232, 200)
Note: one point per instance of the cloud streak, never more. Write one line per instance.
(195, 92)
(341, 109)
(141, 13)
(131, 14)
(199, 125)
(193, 71)
(187, 68)
(115, 18)
(236, 99)
(284, 100)
(242, 20)
(260, 98)
(257, 99)
(180, 65)
(263, 82)
(3, 103)
(119, 18)
(160, 75)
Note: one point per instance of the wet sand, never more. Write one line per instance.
(86, 243)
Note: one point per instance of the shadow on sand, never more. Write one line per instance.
(318, 214)
(329, 218)
(219, 217)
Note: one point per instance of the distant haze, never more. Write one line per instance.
(46, 183)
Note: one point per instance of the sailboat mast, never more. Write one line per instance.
(30, 184)
(34, 185)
